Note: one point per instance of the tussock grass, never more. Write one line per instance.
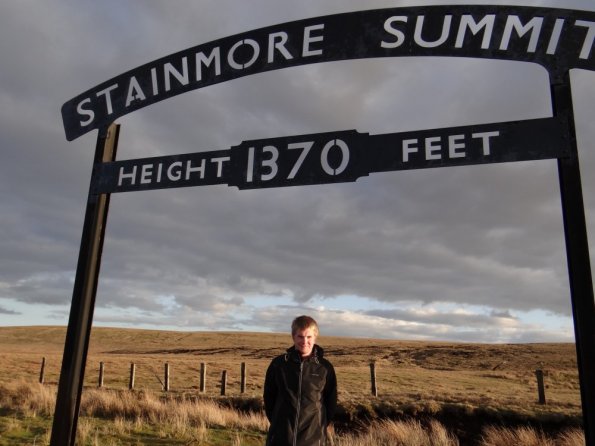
(179, 415)
(398, 433)
(111, 417)
(525, 436)
(108, 414)
(27, 398)
(413, 433)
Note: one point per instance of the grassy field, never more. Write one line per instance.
(466, 387)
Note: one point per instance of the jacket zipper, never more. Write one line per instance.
(299, 401)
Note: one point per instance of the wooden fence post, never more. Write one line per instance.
(540, 386)
(373, 378)
(223, 382)
(203, 377)
(243, 378)
(166, 378)
(132, 375)
(42, 371)
(101, 370)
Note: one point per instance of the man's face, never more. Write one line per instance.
(304, 341)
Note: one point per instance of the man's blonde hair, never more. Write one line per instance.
(303, 323)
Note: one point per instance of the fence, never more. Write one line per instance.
(165, 383)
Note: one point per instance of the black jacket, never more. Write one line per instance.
(300, 398)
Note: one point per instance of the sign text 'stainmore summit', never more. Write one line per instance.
(556, 39)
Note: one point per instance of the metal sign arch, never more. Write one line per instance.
(557, 39)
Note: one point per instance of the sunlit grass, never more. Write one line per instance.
(139, 418)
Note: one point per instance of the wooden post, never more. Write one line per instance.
(540, 386)
(203, 377)
(78, 332)
(243, 378)
(223, 382)
(42, 371)
(132, 375)
(101, 370)
(373, 378)
(166, 378)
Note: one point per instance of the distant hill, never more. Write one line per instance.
(428, 355)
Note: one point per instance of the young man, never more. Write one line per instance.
(300, 390)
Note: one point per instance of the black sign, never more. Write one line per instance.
(557, 39)
(336, 157)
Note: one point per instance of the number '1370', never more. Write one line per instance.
(271, 164)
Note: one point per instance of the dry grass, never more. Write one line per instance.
(179, 415)
(525, 436)
(118, 417)
(398, 433)
(129, 413)
(412, 433)
(28, 399)
(415, 379)
(446, 373)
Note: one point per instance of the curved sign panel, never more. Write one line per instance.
(557, 39)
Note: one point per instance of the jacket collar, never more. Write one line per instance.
(317, 353)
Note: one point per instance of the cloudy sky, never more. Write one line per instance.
(470, 253)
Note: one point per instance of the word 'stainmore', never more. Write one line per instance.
(545, 36)
(204, 66)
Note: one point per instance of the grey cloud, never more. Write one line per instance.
(455, 319)
(480, 235)
(44, 287)
(6, 311)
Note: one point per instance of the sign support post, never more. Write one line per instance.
(83, 300)
(577, 254)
